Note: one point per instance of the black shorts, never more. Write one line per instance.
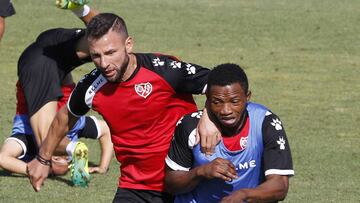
(39, 77)
(141, 196)
(6, 8)
(45, 63)
(28, 144)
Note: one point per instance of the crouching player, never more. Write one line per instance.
(252, 162)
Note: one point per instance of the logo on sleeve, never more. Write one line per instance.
(93, 88)
(276, 123)
(143, 89)
(197, 114)
(190, 69)
(281, 142)
(158, 62)
(175, 64)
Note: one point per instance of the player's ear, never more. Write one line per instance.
(129, 42)
(248, 96)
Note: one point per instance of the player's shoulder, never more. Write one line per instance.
(270, 116)
(93, 76)
(190, 121)
(157, 61)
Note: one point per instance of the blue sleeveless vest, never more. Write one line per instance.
(247, 163)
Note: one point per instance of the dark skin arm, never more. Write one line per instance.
(61, 124)
(184, 181)
(274, 188)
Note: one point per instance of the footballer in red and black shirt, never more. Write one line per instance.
(142, 113)
(140, 96)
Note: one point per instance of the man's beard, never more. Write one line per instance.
(120, 71)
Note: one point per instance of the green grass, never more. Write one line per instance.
(302, 59)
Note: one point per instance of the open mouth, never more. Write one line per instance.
(228, 121)
(109, 73)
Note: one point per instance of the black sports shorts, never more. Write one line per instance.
(141, 196)
(39, 77)
(45, 63)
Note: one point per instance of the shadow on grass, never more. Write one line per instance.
(4, 173)
(9, 174)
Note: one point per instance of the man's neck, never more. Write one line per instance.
(228, 132)
(131, 67)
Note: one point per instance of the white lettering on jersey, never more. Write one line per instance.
(93, 88)
(143, 89)
(247, 165)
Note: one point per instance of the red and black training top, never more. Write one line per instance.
(142, 113)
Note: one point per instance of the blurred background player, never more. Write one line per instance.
(252, 163)
(21, 146)
(43, 68)
(6, 10)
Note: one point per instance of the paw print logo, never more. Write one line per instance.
(190, 69)
(276, 123)
(179, 121)
(158, 62)
(197, 114)
(175, 64)
(281, 142)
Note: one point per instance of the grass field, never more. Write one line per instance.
(302, 58)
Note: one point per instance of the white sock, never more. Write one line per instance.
(81, 11)
(70, 148)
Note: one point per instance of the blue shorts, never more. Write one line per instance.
(22, 133)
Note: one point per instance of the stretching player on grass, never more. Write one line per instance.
(21, 146)
(42, 69)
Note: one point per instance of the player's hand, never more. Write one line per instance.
(235, 197)
(219, 168)
(71, 4)
(37, 173)
(98, 169)
(208, 134)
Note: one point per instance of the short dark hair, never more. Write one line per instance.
(102, 23)
(227, 74)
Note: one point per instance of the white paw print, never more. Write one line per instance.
(190, 68)
(175, 64)
(277, 123)
(157, 62)
(197, 114)
(281, 142)
(179, 121)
